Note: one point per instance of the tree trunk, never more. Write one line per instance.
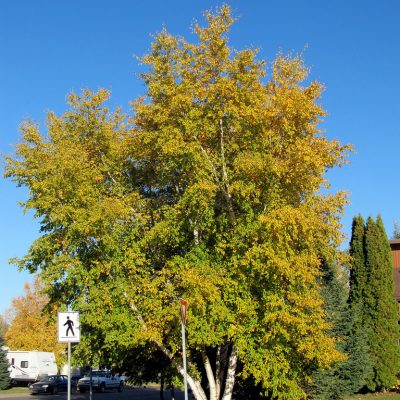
(230, 377)
(220, 363)
(210, 378)
(162, 386)
(195, 386)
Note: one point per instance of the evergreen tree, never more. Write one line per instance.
(4, 373)
(359, 369)
(327, 382)
(396, 231)
(358, 272)
(381, 313)
(348, 376)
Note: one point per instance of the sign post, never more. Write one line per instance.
(184, 305)
(69, 331)
(69, 372)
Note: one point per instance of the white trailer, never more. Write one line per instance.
(26, 366)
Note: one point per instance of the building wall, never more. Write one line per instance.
(395, 245)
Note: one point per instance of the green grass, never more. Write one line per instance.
(387, 396)
(375, 396)
(15, 390)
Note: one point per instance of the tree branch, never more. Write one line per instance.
(215, 173)
(225, 174)
(195, 385)
(222, 185)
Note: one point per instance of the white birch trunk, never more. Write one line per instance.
(230, 377)
(210, 378)
(196, 236)
(195, 386)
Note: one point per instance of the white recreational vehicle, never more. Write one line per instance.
(26, 366)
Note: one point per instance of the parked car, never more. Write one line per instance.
(50, 384)
(101, 381)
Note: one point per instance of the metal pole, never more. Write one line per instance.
(69, 371)
(91, 385)
(184, 360)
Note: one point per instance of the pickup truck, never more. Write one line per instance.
(101, 381)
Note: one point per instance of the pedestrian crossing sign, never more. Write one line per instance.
(69, 329)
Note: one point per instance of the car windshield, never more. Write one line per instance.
(97, 373)
(49, 378)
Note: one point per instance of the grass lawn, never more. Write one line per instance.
(387, 396)
(375, 396)
(15, 390)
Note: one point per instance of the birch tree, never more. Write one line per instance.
(211, 190)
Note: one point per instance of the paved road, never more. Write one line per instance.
(128, 394)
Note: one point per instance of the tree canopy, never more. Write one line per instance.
(211, 190)
(32, 327)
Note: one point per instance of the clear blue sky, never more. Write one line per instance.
(49, 48)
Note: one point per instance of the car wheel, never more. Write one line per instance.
(82, 390)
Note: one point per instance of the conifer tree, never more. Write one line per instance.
(396, 231)
(348, 376)
(4, 373)
(357, 347)
(331, 384)
(381, 313)
(358, 272)
(357, 370)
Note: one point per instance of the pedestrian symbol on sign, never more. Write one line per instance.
(70, 327)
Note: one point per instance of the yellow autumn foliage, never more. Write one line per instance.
(212, 190)
(31, 327)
